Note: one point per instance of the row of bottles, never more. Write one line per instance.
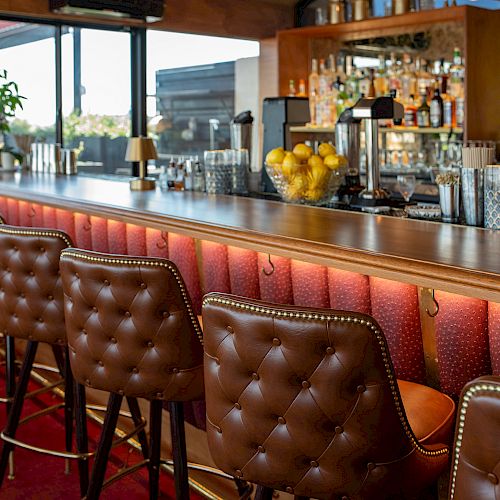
(433, 97)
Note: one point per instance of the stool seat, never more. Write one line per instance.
(429, 412)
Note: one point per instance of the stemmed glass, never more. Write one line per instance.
(406, 186)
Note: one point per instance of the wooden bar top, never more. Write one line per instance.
(458, 259)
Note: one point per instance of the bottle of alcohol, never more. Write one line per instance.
(394, 75)
(351, 83)
(411, 112)
(302, 88)
(423, 113)
(381, 87)
(424, 78)
(363, 82)
(457, 78)
(313, 92)
(292, 91)
(371, 88)
(449, 115)
(408, 79)
(436, 108)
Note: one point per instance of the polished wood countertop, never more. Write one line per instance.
(463, 260)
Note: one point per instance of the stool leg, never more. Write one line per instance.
(68, 406)
(104, 446)
(135, 411)
(179, 450)
(17, 406)
(155, 450)
(82, 444)
(10, 386)
(264, 493)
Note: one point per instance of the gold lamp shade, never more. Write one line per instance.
(141, 149)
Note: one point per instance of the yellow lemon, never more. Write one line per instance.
(333, 162)
(315, 161)
(302, 152)
(275, 156)
(290, 165)
(326, 149)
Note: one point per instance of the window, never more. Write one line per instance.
(27, 54)
(96, 98)
(196, 85)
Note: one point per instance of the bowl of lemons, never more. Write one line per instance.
(300, 176)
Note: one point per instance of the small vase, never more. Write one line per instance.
(7, 161)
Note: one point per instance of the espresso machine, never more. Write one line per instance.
(372, 109)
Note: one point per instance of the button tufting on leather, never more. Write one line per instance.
(77, 276)
(281, 420)
(175, 370)
(237, 406)
(42, 249)
(15, 315)
(345, 497)
(276, 341)
(361, 388)
(50, 297)
(261, 449)
(370, 466)
(22, 295)
(120, 392)
(219, 430)
(127, 314)
(31, 273)
(15, 248)
(330, 350)
(230, 329)
(113, 340)
(135, 370)
(165, 314)
(143, 286)
(306, 384)
(87, 381)
(255, 376)
(493, 478)
(84, 331)
(94, 309)
(289, 489)
(40, 320)
(106, 283)
(100, 363)
(314, 463)
(30, 337)
(238, 473)
(339, 429)
(150, 344)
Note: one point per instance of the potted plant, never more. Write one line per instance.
(10, 101)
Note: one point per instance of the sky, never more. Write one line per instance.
(106, 68)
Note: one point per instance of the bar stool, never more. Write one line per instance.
(31, 308)
(306, 401)
(475, 472)
(132, 332)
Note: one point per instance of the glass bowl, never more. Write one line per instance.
(297, 189)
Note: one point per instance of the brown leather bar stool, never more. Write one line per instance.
(306, 401)
(132, 332)
(31, 308)
(475, 472)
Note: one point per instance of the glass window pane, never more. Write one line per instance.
(192, 90)
(27, 53)
(97, 111)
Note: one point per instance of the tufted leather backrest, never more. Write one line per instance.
(31, 298)
(131, 327)
(476, 458)
(305, 401)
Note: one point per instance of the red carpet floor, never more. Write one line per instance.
(42, 477)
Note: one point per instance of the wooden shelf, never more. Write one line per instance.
(417, 130)
(312, 130)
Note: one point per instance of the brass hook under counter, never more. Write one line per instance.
(436, 305)
(88, 226)
(268, 273)
(164, 241)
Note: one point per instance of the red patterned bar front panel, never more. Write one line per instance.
(4, 210)
(243, 272)
(99, 233)
(309, 284)
(215, 267)
(66, 222)
(12, 212)
(494, 335)
(461, 340)
(136, 240)
(49, 217)
(349, 291)
(156, 243)
(182, 252)
(25, 214)
(275, 279)
(117, 237)
(395, 307)
(83, 231)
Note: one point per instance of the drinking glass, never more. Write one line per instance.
(406, 186)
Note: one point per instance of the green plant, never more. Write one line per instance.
(10, 100)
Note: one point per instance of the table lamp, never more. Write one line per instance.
(141, 149)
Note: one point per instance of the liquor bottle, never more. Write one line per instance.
(292, 92)
(380, 82)
(363, 82)
(322, 105)
(408, 79)
(351, 83)
(313, 92)
(411, 112)
(424, 78)
(457, 78)
(449, 114)
(436, 108)
(302, 88)
(371, 88)
(394, 74)
(423, 113)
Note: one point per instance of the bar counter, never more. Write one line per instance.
(457, 259)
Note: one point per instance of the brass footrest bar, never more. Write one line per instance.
(124, 472)
(201, 468)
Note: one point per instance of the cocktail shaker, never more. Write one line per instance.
(449, 201)
(472, 181)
